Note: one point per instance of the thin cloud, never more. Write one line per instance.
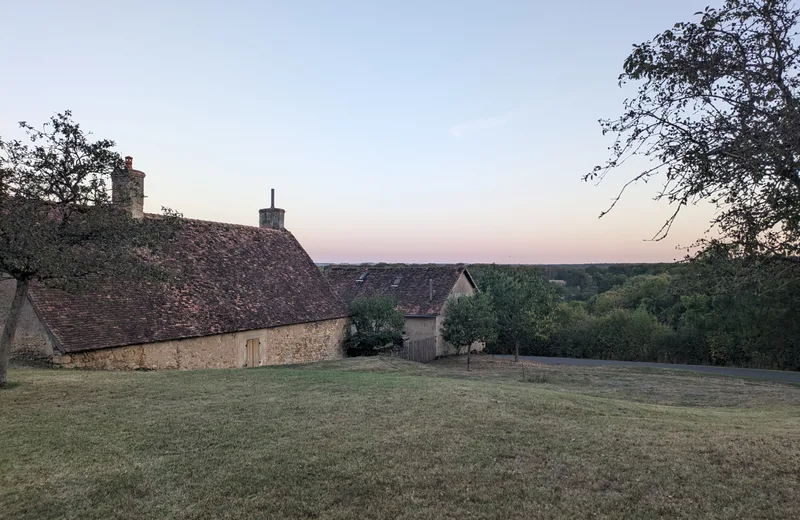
(476, 125)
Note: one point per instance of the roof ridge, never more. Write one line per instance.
(231, 224)
(416, 266)
(419, 290)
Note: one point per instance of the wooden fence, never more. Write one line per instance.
(421, 350)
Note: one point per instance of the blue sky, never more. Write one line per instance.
(403, 131)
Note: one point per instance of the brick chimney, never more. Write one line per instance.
(271, 217)
(127, 189)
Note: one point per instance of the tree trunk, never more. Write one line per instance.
(10, 328)
(469, 350)
(516, 350)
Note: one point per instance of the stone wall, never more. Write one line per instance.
(31, 339)
(300, 343)
(304, 343)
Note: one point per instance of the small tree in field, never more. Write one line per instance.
(523, 302)
(58, 226)
(467, 320)
(378, 326)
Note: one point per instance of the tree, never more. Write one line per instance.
(653, 292)
(717, 112)
(378, 326)
(741, 315)
(524, 303)
(467, 320)
(58, 224)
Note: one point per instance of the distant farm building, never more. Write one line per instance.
(421, 294)
(248, 296)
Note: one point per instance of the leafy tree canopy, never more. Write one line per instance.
(717, 113)
(469, 319)
(523, 301)
(58, 225)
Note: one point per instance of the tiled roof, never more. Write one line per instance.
(410, 285)
(235, 278)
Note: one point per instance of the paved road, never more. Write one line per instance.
(773, 375)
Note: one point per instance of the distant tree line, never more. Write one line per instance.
(718, 309)
(581, 281)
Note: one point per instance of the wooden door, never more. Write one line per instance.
(251, 353)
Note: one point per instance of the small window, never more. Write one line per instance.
(396, 281)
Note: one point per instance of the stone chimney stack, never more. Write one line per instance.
(127, 189)
(271, 217)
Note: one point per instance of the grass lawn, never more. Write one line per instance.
(384, 438)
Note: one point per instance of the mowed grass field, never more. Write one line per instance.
(384, 438)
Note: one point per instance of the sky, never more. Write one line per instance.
(415, 131)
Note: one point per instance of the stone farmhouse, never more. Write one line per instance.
(249, 296)
(421, 294)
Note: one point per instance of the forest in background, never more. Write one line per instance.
(715, 310)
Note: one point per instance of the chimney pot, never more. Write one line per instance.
(271, 217)
(128, 162)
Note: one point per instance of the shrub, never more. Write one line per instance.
(377, 326)
(619, 334)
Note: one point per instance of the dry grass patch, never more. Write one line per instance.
(382, 439)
